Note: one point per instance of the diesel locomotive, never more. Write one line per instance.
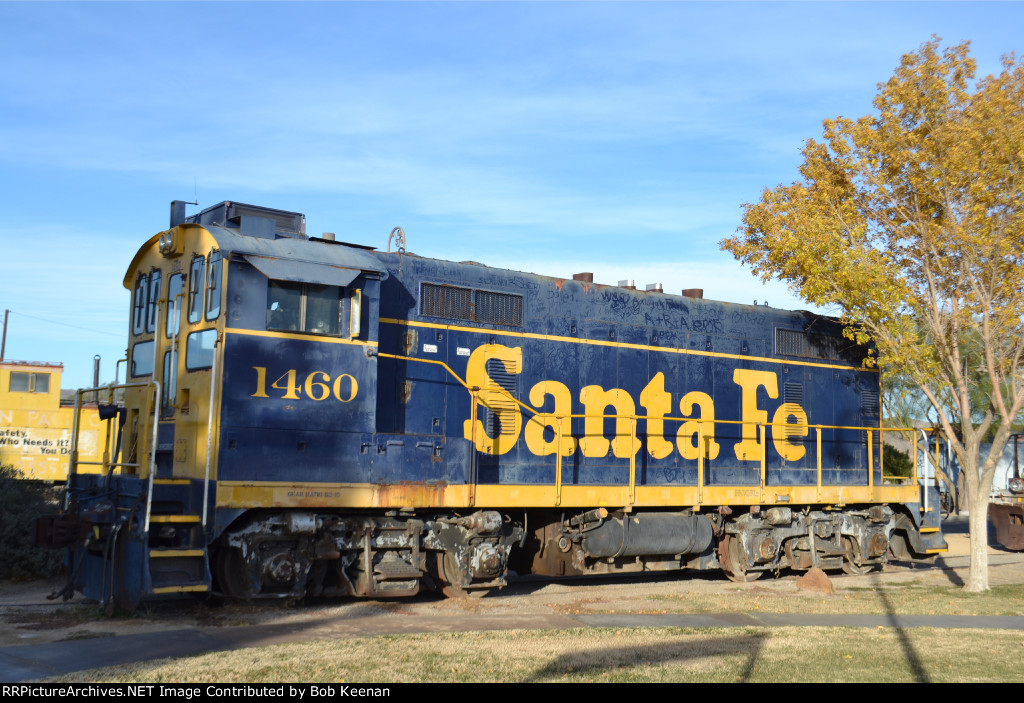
(304, 416)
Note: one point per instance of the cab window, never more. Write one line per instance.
(139, 308)
(323, 309)
(196, 282)
(154, 296)
(170, 387)
(213, 277)
(304, 307)
(142, 359)
(284, 306)
(199, 350)
(173, 305)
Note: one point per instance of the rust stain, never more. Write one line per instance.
(1009, 523)
(559, 282)
(413, 494)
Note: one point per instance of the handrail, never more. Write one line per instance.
(152, 453)
(209, 428)
(109, 466)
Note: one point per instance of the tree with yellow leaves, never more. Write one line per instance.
(911, 222)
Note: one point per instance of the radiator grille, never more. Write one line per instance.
(446, 301)
(809, 345)
(458, 303)
(499, 308)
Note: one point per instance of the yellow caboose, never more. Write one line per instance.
(35, 430)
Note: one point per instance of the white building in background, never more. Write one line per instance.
(1004, 469)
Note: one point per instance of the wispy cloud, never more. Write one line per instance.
(626, 135)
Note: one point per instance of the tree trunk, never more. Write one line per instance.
(977, 579)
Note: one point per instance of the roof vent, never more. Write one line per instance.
(655, 288)
(628, 284)
(585, 277)
(695, 293)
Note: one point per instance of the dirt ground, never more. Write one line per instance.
(29, 618)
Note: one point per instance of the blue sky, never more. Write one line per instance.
(618, 138)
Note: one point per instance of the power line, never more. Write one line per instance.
(65, 324)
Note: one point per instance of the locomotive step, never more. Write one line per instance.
(174, 518)
(190, 588)
(177, 570)
(171, 553)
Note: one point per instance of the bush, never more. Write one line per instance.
(898, 463)
(22, 501)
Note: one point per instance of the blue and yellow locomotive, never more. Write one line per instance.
(304, 416)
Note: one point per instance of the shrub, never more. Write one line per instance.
(22, 501)
(898, 463)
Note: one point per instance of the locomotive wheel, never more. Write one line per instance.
(449, 578)
(849, 565)
(734, 561)
(229, 572)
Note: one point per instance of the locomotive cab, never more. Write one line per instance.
(251, 354)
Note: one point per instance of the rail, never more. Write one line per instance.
(703, 437)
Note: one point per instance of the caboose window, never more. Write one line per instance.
(303, 307)
(29, 382)
(213, 286)
(196, 280)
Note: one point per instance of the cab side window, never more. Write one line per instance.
(154, 296)
(139, 307)
(304, 307)
(196, 281)
(213, 278)
(284, 306)
(173, 305)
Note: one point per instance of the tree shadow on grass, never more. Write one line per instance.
(953, 577)
(913, 660)
(591, 662)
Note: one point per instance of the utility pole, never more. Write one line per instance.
(3, 344)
